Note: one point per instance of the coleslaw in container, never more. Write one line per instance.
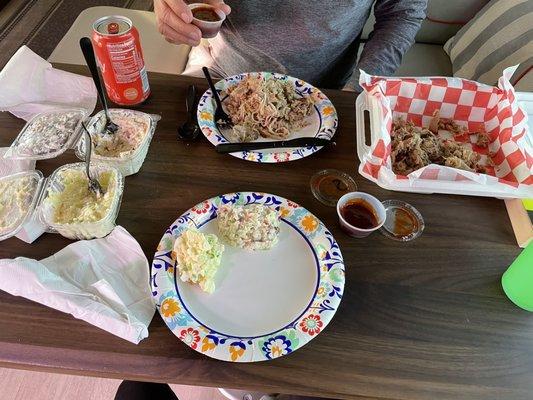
(125, 149)
(70, 209)
(19, 194)
(48, 134)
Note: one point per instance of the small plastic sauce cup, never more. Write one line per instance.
(376, 205)
(209, 29)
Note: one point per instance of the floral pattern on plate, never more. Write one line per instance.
(327, 116)
(289, 338)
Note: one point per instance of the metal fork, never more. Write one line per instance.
(88, 53)
(94, 185)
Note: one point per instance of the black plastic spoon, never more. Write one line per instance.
(190, 129)
(88, 53)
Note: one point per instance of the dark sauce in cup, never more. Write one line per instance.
(205, 14)
(404, 223)
(360, 214)
(332, 186)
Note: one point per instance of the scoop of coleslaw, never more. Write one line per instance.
(253, 226)
(198, 257)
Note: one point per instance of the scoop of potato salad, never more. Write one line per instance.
(198, 257)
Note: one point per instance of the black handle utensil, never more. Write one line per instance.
(88, 53)
(190, 129)
(249, 146)
(222, 120)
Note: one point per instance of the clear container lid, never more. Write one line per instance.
(47, 134)
(69, 208)
(135, 131)
(403, 222)
(329, 185)
(18, 198)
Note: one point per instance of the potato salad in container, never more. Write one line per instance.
(125, 149)
(18, 196)
(70, 208)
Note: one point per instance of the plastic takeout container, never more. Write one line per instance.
(403, 222)
(329, 185)
(81, 230)
(36, 139)
(17, 206)
(131, 162)
(45, 210)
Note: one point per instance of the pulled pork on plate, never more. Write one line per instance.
(266, 107)
(414, 147)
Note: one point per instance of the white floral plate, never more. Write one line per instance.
(266, 304)
(322, 122)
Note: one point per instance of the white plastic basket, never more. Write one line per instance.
(477, 186)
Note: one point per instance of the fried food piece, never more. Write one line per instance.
(456, 162)
(430, 144)
(434, 123)
(451, 148)
(483, 139)
(413, 147)
(446, 124)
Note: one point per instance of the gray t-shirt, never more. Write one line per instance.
(315, 40)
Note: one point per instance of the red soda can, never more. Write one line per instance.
(118, 50)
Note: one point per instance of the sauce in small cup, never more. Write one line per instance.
(360, 214)
(207, 18)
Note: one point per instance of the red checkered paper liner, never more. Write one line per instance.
(472, 105)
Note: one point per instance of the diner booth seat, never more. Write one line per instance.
(161, 56)
(425, 58)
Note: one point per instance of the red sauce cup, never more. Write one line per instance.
(355, 231)
(209, 29)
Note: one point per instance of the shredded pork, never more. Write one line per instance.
(268, 108)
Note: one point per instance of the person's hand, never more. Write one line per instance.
(174, 20)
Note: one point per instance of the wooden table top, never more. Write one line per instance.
(423, 320)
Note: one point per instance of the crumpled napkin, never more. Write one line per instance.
(104, 282)
(33, 228)
(30, 85)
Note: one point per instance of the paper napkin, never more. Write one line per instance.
(104, 282)
(30, 85)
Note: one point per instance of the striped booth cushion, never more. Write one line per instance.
(499, 36)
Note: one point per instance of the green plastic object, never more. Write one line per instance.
(517, 281)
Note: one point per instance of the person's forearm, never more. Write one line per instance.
(397, 22)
